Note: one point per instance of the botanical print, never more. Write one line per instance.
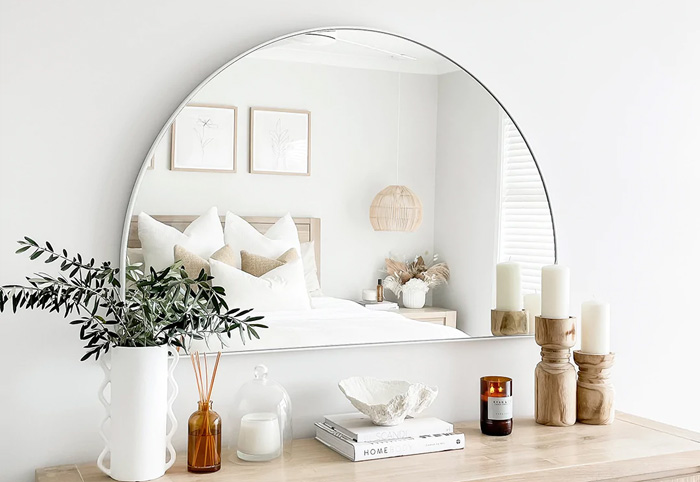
(204, 139)
(279, 141)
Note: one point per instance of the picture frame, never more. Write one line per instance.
(204, 139)
(280, 141)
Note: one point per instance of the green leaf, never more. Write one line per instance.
(22, 249)
(30, 241)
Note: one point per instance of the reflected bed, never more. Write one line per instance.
(334, 321)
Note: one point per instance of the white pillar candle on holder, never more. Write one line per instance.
(533, 306)
(555, 292)
(508, 291)
(595, 327)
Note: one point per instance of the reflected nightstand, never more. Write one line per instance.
(431, 314)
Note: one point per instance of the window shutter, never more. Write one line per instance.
(525, 234)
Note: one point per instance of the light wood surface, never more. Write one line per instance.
(631, 449)
(595, 395)
(555, 377)
(309, 229)
(505, 323)
(431, 314)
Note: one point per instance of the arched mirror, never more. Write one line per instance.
(314, 158)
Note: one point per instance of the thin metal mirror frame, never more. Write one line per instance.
(163, 132)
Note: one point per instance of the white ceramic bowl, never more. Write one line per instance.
(387, 402)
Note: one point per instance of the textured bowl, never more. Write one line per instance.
(387, 402)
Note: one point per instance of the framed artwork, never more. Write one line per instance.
(280, 141)
(204, 139)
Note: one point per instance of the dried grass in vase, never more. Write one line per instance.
(427, 275)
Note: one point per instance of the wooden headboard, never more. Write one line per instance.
(309, 229)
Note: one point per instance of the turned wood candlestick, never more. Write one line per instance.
(505, 323)
(555, 377)
(595, 395)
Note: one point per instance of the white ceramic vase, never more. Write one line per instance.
(414, 298)
(139, 409)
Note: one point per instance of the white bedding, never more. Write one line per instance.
(333, 321)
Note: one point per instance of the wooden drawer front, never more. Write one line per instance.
(439, 320)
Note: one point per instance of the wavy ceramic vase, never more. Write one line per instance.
(387, 402)
(139, 409)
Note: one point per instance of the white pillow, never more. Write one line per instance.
(241, 236)
(308, 257)
(281, 289)
(203, 237)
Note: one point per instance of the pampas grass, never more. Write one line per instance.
(400, 272)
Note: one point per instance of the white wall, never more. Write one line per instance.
(467, 198)
(605, 92)
(353, 156)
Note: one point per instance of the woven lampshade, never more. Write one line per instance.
(396, 208)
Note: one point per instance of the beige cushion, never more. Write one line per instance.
(225, 255)
(194, 263)
(257, 265)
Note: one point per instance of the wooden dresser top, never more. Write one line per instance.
(632, 448)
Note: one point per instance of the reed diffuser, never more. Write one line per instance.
(204, 425)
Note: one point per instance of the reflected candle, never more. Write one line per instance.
(533, 306)
(496, 405)
(595, 328)
(259, 438)
(508, 290)
(555, 292)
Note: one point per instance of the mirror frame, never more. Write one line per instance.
(164, 131)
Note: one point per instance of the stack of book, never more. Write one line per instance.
(354, 436)
(380, 305)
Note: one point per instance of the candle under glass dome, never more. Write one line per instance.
(262, 420)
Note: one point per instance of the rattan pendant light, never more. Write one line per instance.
(396, 207)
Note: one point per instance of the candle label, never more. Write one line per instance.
(500, 408)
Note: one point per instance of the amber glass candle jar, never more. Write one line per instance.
(496, 405)
(204, 439)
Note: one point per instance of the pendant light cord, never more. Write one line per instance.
(398, 130)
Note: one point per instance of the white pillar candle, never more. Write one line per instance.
(555, 292)
(508, 292)
(259, 435)
(595, 327)
(533, 306)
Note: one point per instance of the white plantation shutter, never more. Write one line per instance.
(525, 234)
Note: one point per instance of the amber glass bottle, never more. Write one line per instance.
(496, 405)
(380, 291)
(204, 440)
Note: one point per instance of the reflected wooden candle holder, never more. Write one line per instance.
(555, 376)
(504, 323)
(595, 394)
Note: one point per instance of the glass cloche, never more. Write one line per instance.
(262, 419)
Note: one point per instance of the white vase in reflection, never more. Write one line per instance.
(414, 298)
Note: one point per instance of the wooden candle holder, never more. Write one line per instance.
(595, 395)
(504, 323)
(555, 377)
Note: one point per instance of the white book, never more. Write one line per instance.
(360, 451)
(379, 306)
(361, 429)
